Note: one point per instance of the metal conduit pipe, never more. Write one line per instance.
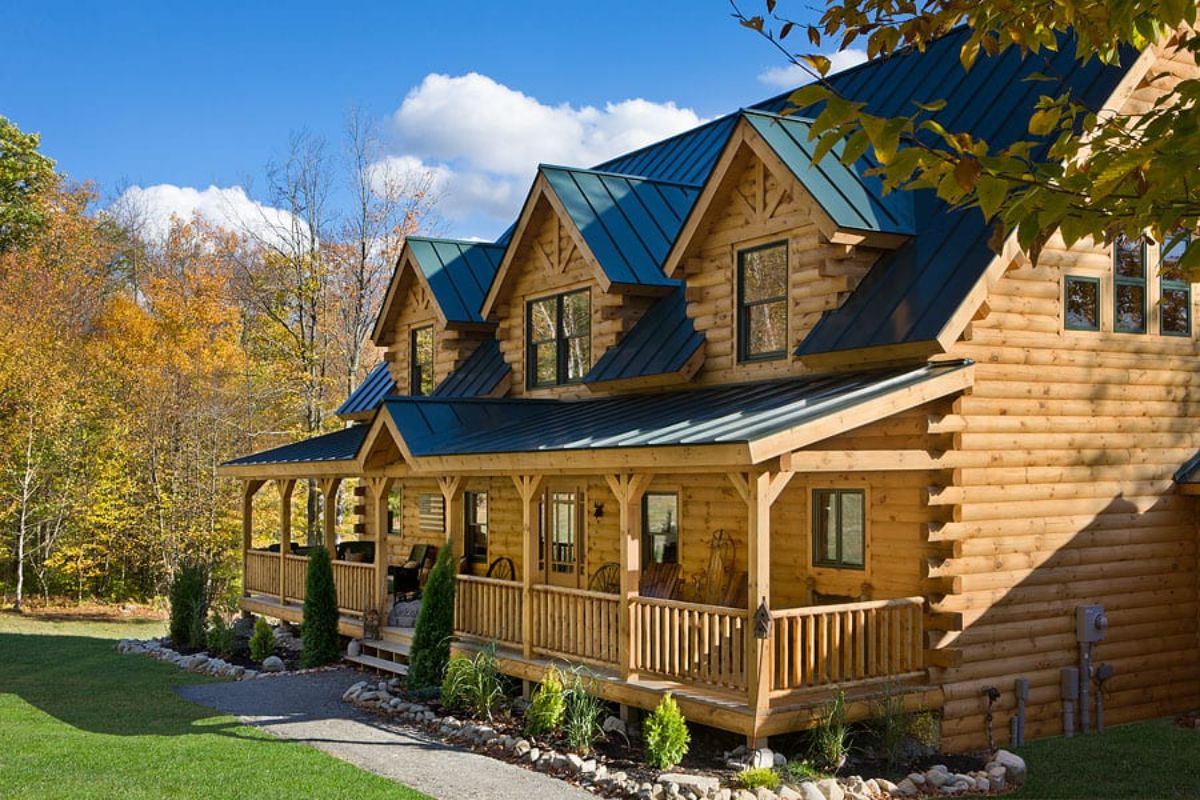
(1069, 677)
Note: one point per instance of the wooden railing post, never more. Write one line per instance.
(628, 490)
(379, 488)
(452, 520)
(760, 490)
(249, 489)
(528, 487)
(285, 488)
(329, 492)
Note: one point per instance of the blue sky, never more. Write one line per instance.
(200, 94)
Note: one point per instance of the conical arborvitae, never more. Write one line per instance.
(435, 625)
(320, 632)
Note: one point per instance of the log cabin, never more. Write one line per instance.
(713, 419)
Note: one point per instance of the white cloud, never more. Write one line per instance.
(792, 75)
(153, 208)
(483, 140)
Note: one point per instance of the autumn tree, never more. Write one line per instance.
(1081, 171)
(26, 178)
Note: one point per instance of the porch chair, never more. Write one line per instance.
(660, 580)
(409, 576)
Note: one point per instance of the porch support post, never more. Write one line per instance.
(249, 489)
(285, 488)
(528, 487)
(628, 490)
(452, 492)
(760, 490)
(329, 493)
(379, 488)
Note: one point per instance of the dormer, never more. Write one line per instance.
(430, 322)
(774, 242)
(584, 264)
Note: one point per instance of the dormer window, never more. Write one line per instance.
(421, 362)
(559, 336)
(762, 303)
(1129, 285)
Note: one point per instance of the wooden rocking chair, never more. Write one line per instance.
(660, 580)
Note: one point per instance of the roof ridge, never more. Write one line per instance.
(451, 240)
(630, 153)
(623, 175)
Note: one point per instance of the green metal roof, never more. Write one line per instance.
(337, 446)
(459, 273)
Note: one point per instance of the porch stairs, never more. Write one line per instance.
(389, 654)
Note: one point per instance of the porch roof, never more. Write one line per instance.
(340, 445)
(370, 393)
(721, 415)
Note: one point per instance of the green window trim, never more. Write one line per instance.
(420, 361)
(746, 308)
(1130, 283)
(830, 506)
(559, 340)
(1068, 322)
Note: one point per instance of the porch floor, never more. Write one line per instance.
(294, 612)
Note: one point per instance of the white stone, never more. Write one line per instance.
(809, 791)
(744, 794)
(907, 788)
(701, 783)
(937, 778)
(763, 793)
(788, 793)
(273, 664)
(831, 789)
(917, 778)
(1014, 765)
(884, 785)
(762, 758)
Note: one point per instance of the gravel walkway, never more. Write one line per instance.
(309, 708)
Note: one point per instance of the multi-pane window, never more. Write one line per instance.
(762, 302)
(431, 511)
(421, 361)
(558, 331)
(475, 527)
(395, 512)
(1129, 285)
(660, 528)
(1082, 303)
(839, 528)
(1175, 293)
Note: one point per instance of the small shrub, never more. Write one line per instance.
(666, 734)
(435, 625)
(800, 771)
(583, 712)
(473, 684)
(320, 630)
(831, 740)
(547, 706)
(262, 643)
(189, 605)
(924, 728)
(220, 637)
(758, 777)
(890, 726)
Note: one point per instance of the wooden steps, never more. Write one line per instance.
(382, 655)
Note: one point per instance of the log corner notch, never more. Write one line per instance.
(759, 490)
(628, 489)
(528, 488)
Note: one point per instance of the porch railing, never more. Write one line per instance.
(690, 643)
(355, 582)
(488, 608)
(295, 575)
(822, 645)
(262, 572)
(575, 624)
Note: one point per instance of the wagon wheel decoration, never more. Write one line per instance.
(607, 579)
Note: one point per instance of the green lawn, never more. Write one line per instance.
(77, 720)
(1145, 760)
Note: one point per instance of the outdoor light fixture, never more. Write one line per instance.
(597, 510)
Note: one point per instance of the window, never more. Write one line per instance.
(1175, 293)
(762, 303)
(660, 528)
(431, 510)
(396, 512)
(559, 330)
(564, 531)
(839, 528)
(1082, 303)
(1129, 285)
(475, 526)
(421, 363)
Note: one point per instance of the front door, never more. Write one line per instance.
(563, 540)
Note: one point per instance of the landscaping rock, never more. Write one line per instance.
(762, 758)
(788, 793)
(763, 793)
(809, 791)
(700, 783)
(1014, 765)
(614, 724)
(906, 788)
(744, 794)
(831, 789)
(521, 748)
(273, 664)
